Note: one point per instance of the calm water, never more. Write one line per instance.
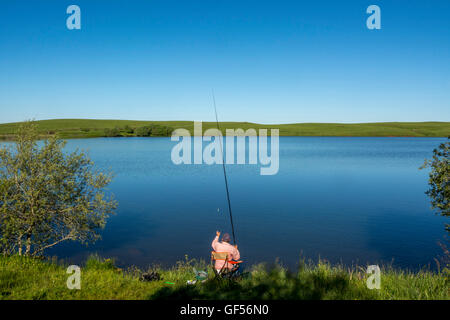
(350, 200)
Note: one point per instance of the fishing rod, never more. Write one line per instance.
(224, 170)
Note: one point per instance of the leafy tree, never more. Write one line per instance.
(128, 129)
(153, 130)
(48, 196)
(439, 180)
(115, 132)
(169, 131)
(144, 131)
(158, 130)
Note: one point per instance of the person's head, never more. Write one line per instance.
(226, 238)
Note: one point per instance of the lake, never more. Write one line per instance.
(353, 200)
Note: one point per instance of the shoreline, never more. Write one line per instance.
(26, 278)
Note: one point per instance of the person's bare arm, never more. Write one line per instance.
(216, 240)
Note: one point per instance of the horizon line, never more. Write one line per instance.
(262, 123)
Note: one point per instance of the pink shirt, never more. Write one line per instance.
(225, 247)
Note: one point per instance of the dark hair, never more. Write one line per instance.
(226, 237)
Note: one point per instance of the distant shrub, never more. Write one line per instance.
(144, 131)
(169, 131)
(162, 131)
(85, 129)
(128, 129)
(153, 130)
(159, 131)
(112, 132)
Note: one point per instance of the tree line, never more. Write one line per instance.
(145, 131)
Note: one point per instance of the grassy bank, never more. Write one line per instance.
(27, 278)
(85, 128)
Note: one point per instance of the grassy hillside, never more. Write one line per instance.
(84, 128)
(27, 278)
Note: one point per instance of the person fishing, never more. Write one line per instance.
(225, 246)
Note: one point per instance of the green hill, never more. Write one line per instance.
(90, 128)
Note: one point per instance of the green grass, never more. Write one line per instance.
(28, 278)
(85, 128)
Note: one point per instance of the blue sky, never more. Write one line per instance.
(267, 61)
